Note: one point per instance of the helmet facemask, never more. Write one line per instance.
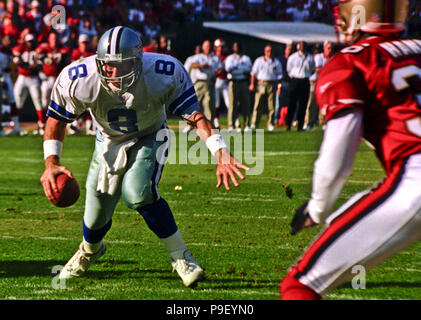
(118, 75)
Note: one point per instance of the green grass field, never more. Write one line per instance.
(240, 237)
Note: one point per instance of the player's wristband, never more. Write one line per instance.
(215, 142)
(52, 147)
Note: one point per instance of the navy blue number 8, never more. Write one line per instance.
(128, 125)
(164, 67)
(79, 71)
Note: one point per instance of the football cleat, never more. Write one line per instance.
(16, 131)
(188, 269)
(80, 262)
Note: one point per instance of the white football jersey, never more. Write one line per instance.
(163, 86)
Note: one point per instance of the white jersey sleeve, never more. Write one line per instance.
(182, 100)
(75, 87)
(340, 144)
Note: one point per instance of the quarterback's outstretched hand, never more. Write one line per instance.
(301, 219)
(227, 168)
(48, 178)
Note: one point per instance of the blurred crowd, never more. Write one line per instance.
(39, 47)
(93, 17)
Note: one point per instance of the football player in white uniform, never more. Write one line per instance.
(129, 94)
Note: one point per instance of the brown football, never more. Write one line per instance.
(68, 191)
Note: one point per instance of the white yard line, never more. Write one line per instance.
(197, 244)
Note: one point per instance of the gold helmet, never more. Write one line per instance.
(371, 16)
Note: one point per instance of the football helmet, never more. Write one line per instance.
(371, 16)
(119, 59)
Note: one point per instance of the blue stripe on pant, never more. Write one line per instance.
(94, 236)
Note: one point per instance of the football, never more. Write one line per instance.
(68, 191)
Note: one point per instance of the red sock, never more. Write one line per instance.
(40, 115)
(292, 289)
(216, 113)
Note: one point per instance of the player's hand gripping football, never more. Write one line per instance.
(301, 219)
(48, 178)
(227, 168)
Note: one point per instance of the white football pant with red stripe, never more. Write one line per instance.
(369, 228)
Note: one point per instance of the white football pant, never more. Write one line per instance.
(24, 84)
(369, 228)
(46, 89)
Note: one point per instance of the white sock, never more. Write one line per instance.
(88, 124)
(91, 247)
(175, 245)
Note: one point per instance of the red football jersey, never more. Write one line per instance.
(28, 57)
(52, 59)
(76, 54)
(382, 75)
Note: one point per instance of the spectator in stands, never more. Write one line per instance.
(11, 8)
(87, 26)
(226, 10)
(165, 46)
(83, 50)
(298, 13)
(136, 15)
(153, 46)
(151, 27)
(34, 17)
(300, 67)
(255, 9)
(10, 27)
(414, 19)
(267, 70)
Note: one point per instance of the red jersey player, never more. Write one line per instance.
(371, 89)
(27, 61)
(54, 57)
(83, 50)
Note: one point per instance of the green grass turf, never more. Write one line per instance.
(240, 237)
